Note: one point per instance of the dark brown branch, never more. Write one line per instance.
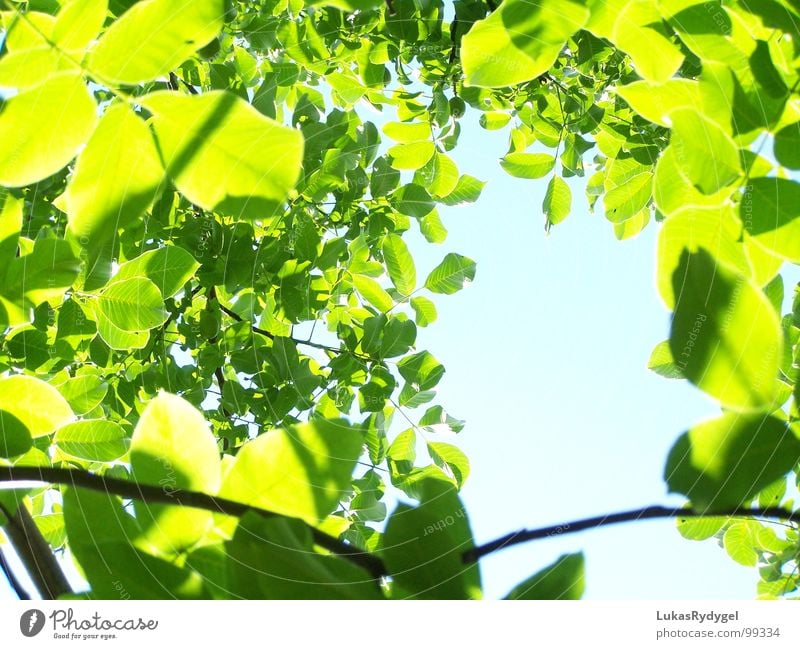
(35, 553)
(194, 499)
(643, 513)
(371, 563)
(15, 584)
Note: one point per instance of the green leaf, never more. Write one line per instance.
(373, 292)
(302, 471)
(626, 199)
(28, 68)
(725, 336)
(708, 154)
(78, 23)
(133, 305)
(787, 146)
(528, 165)
(411, 156)
(700, 528)
(101, 535)
(222, 154)
(467, 190)
(655, 101)
(275, 559)
(557, 200)
(439, 175)
(406, 132)
(723, 463)
(42, 128)
(413, 200)
(384, 178)
(432, 228)
(769, 210)
(450, 459)
(15, 438)
(96, 440)
(43, 275)
(636, 28)
(83, 393)
(424, 311)
(403, 451)
(563, 579)
(518, 41)
(715, 229)
(173, 447)
(154, 37)
(632, 226)
(423, 546)
(11, 210)
(436, 420)
(422, 370)
(661, 362)
(399, 264)
(451, 275)
(36, 404)
(347, 5)
(740, 543)
(115, 337)
(169, 268)
(117, 177)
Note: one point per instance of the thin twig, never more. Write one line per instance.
(297, 341)
(643, 513)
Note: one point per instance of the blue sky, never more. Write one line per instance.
(546, 356)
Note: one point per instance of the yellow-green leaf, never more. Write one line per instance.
(224, 155)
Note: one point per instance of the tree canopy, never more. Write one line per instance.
(209, 309)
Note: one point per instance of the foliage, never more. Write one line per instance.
(184, 186)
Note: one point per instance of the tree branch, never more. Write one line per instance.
(15, 584)
(643, 513)
(35, 553)
(369, 562)
(194, 499)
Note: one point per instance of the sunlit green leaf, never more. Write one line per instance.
(724, 462)
(423, 546)
(518, 41)
(173, 448)
(424, 311)
(274, 559)
(769, 210)
(169, 268)
(37, 405)
(153, 37)
(42, 128)
(133, 304)
(116, 177)
(563, 579)
(399, 264)
(224, 155)
(454, 273)
(302, 471)
(725, 336)
(92, 439)
(528, 165)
